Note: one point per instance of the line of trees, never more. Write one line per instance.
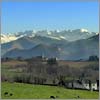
(39, 72)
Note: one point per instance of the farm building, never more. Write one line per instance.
(92, 86)
(77, 84)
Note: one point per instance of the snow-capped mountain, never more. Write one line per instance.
(70, 35)
(7, 38)
(27, 47)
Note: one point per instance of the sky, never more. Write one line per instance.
(21, 16)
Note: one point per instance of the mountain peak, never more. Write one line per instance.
(70, 35)
(84, 30)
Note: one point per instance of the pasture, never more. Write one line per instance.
(30, 91)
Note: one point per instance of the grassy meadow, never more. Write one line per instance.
(29, 91)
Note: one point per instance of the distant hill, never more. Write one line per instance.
(39, 45)
(28, 43)
(39, 50)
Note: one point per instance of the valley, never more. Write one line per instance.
(51, 62)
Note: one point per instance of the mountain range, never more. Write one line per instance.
(70, 35)
(30, 45)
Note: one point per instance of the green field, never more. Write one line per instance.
(29, 91)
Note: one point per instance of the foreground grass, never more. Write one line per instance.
(28, 91)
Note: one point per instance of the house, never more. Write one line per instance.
(85, 84)
(91, 85)
(94, 86)
(76, 84)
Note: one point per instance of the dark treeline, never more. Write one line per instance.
(42, 71)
